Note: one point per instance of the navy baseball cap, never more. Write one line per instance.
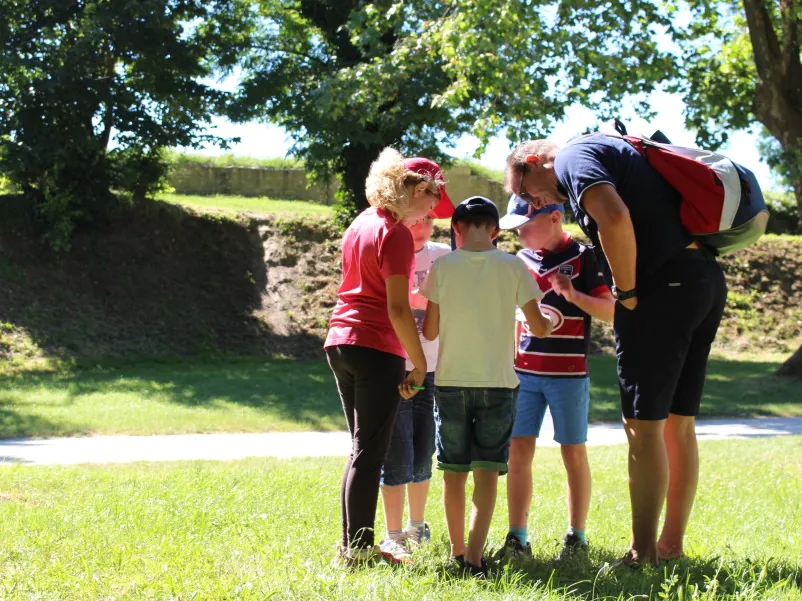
(475, 205)
(519, 212)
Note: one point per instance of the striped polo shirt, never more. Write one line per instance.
(564, 353)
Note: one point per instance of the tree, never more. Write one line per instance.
(744, 65)
(91, 91)
(348, 77)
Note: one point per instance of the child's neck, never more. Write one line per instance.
(555, 241)
(476, 240)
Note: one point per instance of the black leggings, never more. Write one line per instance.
(367, 380)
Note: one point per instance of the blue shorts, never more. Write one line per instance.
(409, 458)
(567, 399)
(474, 426)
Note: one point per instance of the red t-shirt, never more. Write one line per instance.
(374, 248)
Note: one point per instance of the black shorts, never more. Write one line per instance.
(663, 344)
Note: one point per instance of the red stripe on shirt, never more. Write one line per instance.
(552, 364)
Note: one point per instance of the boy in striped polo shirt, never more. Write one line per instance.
(553, 371)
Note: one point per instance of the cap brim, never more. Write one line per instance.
(510, 222)
(444, 208)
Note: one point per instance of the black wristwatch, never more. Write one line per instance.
(622, 295)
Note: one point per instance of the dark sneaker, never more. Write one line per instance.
(479, 571)
(572, 546)
(628, 562)
(513, 550)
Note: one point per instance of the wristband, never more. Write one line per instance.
(623, 295)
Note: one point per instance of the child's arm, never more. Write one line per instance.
(431, 322)
(400, 313)
(600, 307)
(540, 325)
(417, 300)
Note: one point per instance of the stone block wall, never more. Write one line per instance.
(292, 183)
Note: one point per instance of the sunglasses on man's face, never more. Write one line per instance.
(521, 192)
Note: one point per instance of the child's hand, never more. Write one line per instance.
(409, 387)
(563, 286)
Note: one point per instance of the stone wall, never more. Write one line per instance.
(292, 183)
(206, 180)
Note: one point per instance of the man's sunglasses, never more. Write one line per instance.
(521, 192)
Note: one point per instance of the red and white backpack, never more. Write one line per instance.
(722, 205)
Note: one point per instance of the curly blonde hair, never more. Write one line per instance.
(388, 181)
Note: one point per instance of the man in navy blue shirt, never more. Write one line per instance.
(671, 295)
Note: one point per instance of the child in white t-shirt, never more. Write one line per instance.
(473, 293)
(408, 466)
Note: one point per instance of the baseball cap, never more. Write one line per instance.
(430, 169)
(519, 212)
(475, 205)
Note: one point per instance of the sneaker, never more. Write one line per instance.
(513, 549)
(629, 561)
(480, 571)
(572, 545)
(458, 561)
(395, 551)
(417, 536)
(354, 558)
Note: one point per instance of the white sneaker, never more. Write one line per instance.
(395, 551)
(417, 536)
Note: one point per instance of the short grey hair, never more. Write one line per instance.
(545, 149)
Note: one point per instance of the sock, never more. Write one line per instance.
(522, 534)
(395, 535)
(415, 525)
(579, 533)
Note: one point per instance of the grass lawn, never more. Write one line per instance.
(286, 395)
(246, 204)
(266, 529)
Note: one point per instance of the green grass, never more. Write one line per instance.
(286, 395)
(246, 204)
(266, 529)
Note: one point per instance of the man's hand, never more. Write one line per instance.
(563, 286)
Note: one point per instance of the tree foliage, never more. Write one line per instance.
(348, 77)
(92, 90)
(742, 65)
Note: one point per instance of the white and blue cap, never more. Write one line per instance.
(519, 212)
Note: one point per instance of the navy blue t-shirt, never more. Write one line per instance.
(653, 204)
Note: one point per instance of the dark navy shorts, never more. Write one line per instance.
(474, 427)
(409, 458)
(663, 344)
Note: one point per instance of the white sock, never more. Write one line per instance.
(415, 525)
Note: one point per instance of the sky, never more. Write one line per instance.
(267, 140)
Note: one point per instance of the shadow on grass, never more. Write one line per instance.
(17, 424)
(302, 391)
(684, 578)
(734, 388)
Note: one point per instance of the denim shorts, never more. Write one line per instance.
(409, 458)
(566, 398)
(474, 426)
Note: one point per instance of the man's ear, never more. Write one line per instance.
(496, 232)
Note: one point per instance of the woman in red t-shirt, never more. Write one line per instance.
(373, 330)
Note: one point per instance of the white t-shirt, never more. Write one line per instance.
(478, 293)
(423, 263)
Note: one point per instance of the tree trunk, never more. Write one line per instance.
(357, 160)
(792, 368)
(796, 182)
